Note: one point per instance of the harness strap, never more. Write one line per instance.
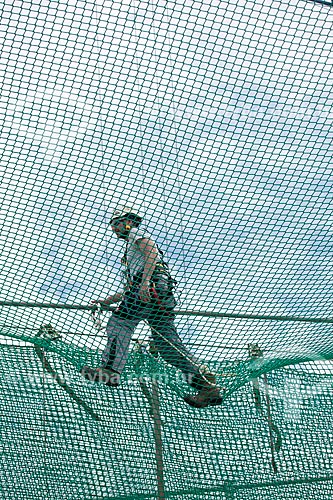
(161, 266)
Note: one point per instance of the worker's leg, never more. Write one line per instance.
(170, 346)
(119, 331)
(174, 352)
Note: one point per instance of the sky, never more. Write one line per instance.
(215, 118)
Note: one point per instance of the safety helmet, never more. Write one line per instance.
(126, 212)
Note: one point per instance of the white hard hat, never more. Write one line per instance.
(127, 211)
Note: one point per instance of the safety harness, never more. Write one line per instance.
(161, 268)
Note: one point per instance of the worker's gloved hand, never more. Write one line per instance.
(112, 299)
(101, 305)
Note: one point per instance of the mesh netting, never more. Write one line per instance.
(214, 122)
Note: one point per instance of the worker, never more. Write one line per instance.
(148, 296)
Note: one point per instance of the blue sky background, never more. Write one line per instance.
(215, 117)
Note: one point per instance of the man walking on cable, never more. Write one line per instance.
(148, 296)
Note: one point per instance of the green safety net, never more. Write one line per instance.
(215, 119)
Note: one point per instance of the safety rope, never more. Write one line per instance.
(177, 312)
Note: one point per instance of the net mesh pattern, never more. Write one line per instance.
(214, 121)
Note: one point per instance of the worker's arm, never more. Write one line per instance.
(112, 299)
(150, 253)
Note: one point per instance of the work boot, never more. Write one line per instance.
(209, 393)
(101, 375)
